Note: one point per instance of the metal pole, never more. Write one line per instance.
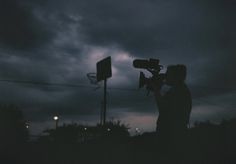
(57, 123)
(101, 113)
(105, 101)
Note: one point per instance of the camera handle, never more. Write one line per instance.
(155, 73)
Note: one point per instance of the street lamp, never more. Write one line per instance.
(27, 125)
(56, 119)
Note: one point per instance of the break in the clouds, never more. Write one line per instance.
(60, 41)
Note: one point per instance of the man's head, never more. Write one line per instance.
(176, 74)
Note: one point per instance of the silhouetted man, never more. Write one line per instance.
(174, 108)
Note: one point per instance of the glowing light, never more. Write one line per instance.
(108, 129)
(55, 118)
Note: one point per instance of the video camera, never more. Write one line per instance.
(153, 66)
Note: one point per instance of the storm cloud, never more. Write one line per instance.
(60, 41)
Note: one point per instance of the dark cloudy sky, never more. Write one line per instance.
(60, 41)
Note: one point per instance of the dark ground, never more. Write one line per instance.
(205, 143)
(138, 150)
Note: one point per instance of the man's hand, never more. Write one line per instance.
(155, 85)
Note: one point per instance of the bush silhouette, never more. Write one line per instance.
(74, 133)
(12, 125)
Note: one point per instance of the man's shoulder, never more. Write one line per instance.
(179, 90)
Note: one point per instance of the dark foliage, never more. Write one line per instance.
(205, 143)
(75, 133)
(12, 125)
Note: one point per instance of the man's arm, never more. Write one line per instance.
(160, 100)
(156, 88)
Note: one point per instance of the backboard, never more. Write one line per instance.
(104, 69)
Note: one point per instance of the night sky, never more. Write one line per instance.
(60, 41)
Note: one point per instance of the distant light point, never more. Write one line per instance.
(55, 118)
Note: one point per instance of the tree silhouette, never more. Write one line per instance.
(12, 125)
(75, 133)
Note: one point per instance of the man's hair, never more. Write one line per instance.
(178, 72)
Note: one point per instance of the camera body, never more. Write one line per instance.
(153, 66)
